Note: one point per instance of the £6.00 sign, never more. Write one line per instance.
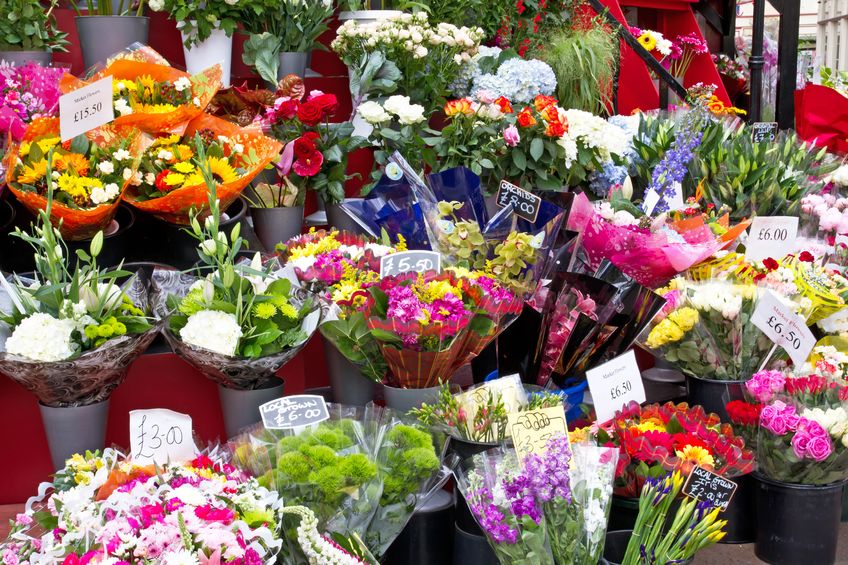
(294, 411)
(784, 327)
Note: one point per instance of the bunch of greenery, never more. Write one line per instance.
(28, 26)
(197, 19)
(485, 14)
(106, 8)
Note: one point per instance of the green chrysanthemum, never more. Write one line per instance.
(264, 310)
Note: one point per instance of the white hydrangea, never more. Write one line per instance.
(373, 113)
(595, 132)
(213, 330)
(41, 337)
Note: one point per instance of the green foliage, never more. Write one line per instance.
(584, 62)
(352, 337)
(26, 25)
(482, 13)
(262, 51)
(198, 18)
(105, 7)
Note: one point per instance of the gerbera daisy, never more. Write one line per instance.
(33, 173)
(697, 455)
(175, 179)
(221, 170)
(184, 168)
(647, 41)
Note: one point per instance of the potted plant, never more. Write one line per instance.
(207, 28)
(282, 34)
(364, 11)
(28, 32)
(106, 29)
(277, 211)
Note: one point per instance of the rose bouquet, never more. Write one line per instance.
(503, 500)
(171, 182)
(655, 439)
(316, 150)
(26, 93)
(87, 174)
(150, 95)
(105, 508)
(237, 323)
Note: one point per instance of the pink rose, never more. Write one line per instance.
(779, 418)
(800, 443)
(485, 97)
(511, 136)
(819, 448)
(764, 384)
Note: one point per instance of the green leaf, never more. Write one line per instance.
(262, 52)
(519, 160)
(537, 148)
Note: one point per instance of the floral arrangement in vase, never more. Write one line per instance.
(653, 42)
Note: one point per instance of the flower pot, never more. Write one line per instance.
(797, 524)
(19, 58)
(616, 546)
(103, 36)
(348, 384)
(469, 548)
(276, 225)
(714, 395)
(741, 514)
(625, 510)
(405, 399)
(74, 429)
(465, 448)
(241, 407)
(217, 48)
(366, 16)
(338, 218)
(428, 537)
(292, 63)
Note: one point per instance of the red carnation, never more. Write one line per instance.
(160, 181)
(310, 165)
(310, 113)
(327, 102)
(806, 257)
(287, 109)
(770, 264)
(303, 147)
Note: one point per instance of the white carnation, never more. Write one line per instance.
(41, 337)
(373, 113)
(122, 107)
(121, 155)
(214, 330)
(106, 167)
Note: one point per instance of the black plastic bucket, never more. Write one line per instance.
(741, 513)
(714, 395)
(428, 536)
(624, 511)
(470, 549)
(797, 524)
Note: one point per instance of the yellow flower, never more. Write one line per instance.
(73, 186)
(183, 152)
(33, 173)
(264, 310)
(157, 108)
(23, 151)
(82, 478)
(647, 41)
(166, 140)
(685, 318)
(184, 168)
(401, 243)
(175, 179)
(288, 311)
(649, 426)
(146, 81)
(194, 179)
(221, 170)
(697, 455)
(73, 161)
(48, 143)
(579, 435)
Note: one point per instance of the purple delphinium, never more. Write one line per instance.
(669, 173)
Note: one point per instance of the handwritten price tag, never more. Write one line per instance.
(706, 485)
(525, 204)
(410, 261)
(531, 430)
(160, 436)
(770, 236)
(764, 131)
(86, 108)
(294, 411)
(784, 327)
(614, 384)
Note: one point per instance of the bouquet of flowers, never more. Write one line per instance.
(171, 183)
(26, 93)
(504, 501)
(150, 95)
(106, 508)
(694, 525)
(73, 333)
(316, 151)
(684, 49)
(88, 175)
(655, 439)
(654, 43)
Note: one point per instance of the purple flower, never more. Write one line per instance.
(669, 173)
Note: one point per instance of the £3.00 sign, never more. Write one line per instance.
(160, 436)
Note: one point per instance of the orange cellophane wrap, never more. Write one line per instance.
(204, 85)
(697, 222)
(76, 224)
(175, 206)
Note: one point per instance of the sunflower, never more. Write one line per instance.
(184, 168)
(221, 170)
(73, 161)
(33, 173)
(648, 41)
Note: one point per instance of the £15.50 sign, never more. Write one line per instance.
(86, 108)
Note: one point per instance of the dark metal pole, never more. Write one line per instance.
(787, 63)
(756, 61)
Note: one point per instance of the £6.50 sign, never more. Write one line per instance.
(784, 327)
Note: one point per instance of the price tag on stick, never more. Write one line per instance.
(294, 411)
(86, 108)
(160, 436)
(531, 430)
(614, 384)
(770, 236)
(525, 204)
(784, 327)
(410, 261)
(706, 485)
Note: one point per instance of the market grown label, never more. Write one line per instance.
(707, 486)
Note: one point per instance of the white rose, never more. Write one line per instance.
(396, 103)
(165, 155)
(156, 5)
(412, 114)
(373, 113)
(420, 52)
(213, 330)
(41, 337)
(111, 190)
(127, 173)
(106, 167)
(121, 155)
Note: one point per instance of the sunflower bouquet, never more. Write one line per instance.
(89, 174)
(150, 95)
(171, 183)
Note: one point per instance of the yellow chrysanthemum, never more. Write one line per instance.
(288, 311)
(697, 455)
(157, 108)
(315, 247)
(23, 150)
(166, 140)
(175, 179)
(647, 41)
(221, 170)
(72, 185)
(33, 173)
(184, 168)
(649, 426)
(264, 310)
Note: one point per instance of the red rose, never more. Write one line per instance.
(327, 102)
(287, 109)
(770, 264)
(303, 147)
(312, 136)
(526, 119)
(160, 181)
(555, 129)
(310, 113)
(806, 257)
(310, 165)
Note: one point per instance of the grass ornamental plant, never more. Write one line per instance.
(30, 26)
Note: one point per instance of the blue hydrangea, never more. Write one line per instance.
(603, 180)
(461, 85)
(518, 80)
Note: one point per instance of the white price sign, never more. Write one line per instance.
(410, 261)
(652, 198)
(295, 411)
(770, 236)
(160, 436)
(614, 384)
(86, 108)
(784, 327)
